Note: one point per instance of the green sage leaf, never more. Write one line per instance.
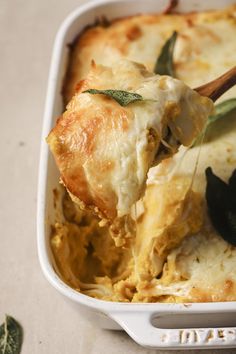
(122, 97)
(221, 204)
(11, 336)
(164, 63)
(222, 109)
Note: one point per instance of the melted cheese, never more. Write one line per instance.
(104, 150)
(205, 47)
(176, 255)
(200, 270)
(172, 212)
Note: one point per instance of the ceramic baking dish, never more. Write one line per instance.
(155, 325)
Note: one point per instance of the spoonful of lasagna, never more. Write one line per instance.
(122, 121)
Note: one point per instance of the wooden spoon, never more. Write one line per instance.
(214, 89)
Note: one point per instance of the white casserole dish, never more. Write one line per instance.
(156, 325)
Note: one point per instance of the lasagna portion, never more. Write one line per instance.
(104, 150)
(176, 254)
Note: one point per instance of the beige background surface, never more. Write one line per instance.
(27, 31)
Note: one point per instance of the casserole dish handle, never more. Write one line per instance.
(139, 326)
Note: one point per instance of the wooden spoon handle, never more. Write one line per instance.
(217, 87)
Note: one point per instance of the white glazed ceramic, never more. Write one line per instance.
(172, 326)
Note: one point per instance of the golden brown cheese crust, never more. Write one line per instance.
(81, 137)
(71, 152)
(196, 56)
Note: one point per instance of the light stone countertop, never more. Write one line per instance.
(51, 326)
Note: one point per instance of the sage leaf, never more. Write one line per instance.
(164, 63)
(122, 97)
(222, 205)
(11, 336)
(222, 109)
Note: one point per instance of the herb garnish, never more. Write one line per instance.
(122, 97)
(222, 109)
(221, 201)
(164, 63)
(11, 336)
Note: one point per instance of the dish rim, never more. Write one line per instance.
(49, 272)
